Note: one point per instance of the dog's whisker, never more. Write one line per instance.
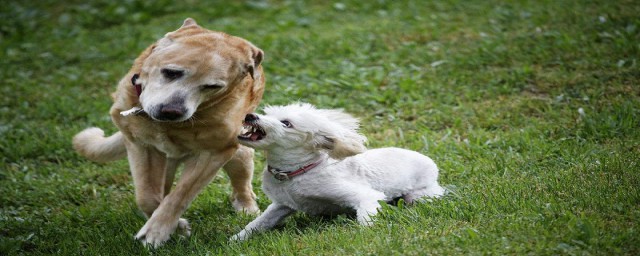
(194, 120)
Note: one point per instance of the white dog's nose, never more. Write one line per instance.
(251, 118)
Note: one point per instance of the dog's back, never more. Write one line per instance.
(396, 171)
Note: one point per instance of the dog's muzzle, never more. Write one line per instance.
(170, 112)
(251, 131)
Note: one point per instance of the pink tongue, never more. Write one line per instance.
(254, 136)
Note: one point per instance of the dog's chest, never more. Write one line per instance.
(177, 142)
(161, 141)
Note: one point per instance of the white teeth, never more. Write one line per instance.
(245, 129)
(249, 130)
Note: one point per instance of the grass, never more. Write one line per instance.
(530, 108)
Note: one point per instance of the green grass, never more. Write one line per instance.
(491, 90)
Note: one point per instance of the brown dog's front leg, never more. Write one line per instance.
(148, 171)
(199, 170)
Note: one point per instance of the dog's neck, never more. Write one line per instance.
(288, 161)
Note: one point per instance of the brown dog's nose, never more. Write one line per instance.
(170, 112)
(251, 118)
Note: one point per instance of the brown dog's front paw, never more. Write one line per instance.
(245, 202)
(184, 229)
(154, 233)
(247, 207)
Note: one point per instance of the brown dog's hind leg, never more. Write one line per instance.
(240, 172)
(170, 172)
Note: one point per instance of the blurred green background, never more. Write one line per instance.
(530, 108)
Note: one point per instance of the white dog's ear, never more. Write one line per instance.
(342, 147)
(339, 134)
(347, 147)
(334, 131)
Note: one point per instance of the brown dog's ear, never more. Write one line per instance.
(189, 22)
(250, 70)
(256, 58)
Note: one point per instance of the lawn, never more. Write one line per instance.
(531, 109)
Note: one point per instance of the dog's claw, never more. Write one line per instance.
(154, 234)
(148, 240)
(184, 229)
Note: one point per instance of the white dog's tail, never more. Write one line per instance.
(92, 144)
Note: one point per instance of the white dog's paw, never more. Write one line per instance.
(155, 233)
(366, 214)
(365, 220)
(242, 236)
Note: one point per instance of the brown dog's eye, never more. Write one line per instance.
(286, 123)
(212, 86)
(171, 74)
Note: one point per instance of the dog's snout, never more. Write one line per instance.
(170, 112)
(251, 117)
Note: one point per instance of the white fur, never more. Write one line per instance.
(131, 111)
(354, 184)
(92, 144)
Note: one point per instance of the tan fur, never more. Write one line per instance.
(204, 143)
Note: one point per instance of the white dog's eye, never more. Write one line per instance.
(286, 123)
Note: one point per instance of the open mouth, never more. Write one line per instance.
(251, 132)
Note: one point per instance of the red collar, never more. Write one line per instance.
(136, 86)
(282, 175)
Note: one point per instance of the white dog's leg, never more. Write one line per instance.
(365, 202)
(365, 211)
(198, 172)
(272, 216)
(434, 191)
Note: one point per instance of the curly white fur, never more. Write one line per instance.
(348, 178)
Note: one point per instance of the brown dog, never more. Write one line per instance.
(187, 95)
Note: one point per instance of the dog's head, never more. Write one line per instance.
(191, 66)
(302, 126)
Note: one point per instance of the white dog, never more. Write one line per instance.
(318, 164)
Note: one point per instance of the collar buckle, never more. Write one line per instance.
(285, 176)
(281, 176)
